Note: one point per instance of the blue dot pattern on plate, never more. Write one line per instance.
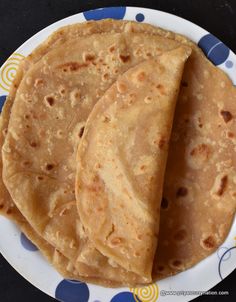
(104, 13)
(72, 291)
(139, 17)
(125, 297)
(229, 64)
(27, 244)
(214, 49)
(2, 101)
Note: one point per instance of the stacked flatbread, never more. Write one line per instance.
(91, 118)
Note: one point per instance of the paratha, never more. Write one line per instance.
(52, 104)
(122, 158)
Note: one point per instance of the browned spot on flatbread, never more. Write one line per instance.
(49, 167)
(33, 144)
(202, 150)
(141, 76)
(200, 124)
(160, 268)
(121, 87)
(176, 264)
(116, 241)
(9, 211)
(97, 166)
(100, 209)
(164, 203)
(62, 90)
(105, 76)
(72, 66)
(34, 115)
(223, 185)
(96, 185)
(1, 206)
(162, 143)
(180, 235)
(112, 48)
(4, 131)
(184, 84)
(106, 119)
(208, 243)
(230, 134)
(38, 82)
(227, 116)
(81, 132)
(26, 163)
(88, 57)
(49, 100)
(186, 120)
(161, 88)
(181, 192)
(124, 58)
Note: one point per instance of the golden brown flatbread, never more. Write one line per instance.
(199, 198)
(122, 158)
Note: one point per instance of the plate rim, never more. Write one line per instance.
(54, 26)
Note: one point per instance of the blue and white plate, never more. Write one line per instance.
(25, 257)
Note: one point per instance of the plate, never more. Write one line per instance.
(25, 257)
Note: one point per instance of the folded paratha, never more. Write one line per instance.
(122, 158)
